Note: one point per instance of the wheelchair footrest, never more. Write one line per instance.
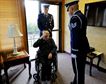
(36, 77)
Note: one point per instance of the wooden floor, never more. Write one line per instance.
(64, 75)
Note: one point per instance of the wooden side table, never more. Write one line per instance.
(13, 60)
(91, 56)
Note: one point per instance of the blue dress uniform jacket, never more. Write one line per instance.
(79, 41)
(45, 22)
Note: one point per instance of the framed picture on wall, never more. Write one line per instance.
(96, 14)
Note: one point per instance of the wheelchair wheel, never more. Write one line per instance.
(53, 77)
(36, 77)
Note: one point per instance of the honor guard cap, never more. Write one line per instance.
(71, 2)
(46, 6)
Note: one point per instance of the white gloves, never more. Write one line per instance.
(73, 55)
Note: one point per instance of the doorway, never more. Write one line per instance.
(32, 9)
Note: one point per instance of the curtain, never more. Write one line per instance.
(12, 12)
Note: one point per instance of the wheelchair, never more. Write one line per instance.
(38, 68)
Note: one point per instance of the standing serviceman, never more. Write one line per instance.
(79, 42)
(45, 20)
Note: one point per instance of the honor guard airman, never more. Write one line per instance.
(45, 20)
(79, 42)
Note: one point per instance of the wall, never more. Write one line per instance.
(97, 39)
(96, 35)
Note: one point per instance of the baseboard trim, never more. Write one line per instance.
(67, 53)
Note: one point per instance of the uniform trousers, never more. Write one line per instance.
(78, 65)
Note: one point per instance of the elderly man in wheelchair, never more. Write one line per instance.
(46, 57)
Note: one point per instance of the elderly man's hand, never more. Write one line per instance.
(50, 56)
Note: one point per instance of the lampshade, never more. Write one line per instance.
(13, 31)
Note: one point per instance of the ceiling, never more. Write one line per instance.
(51, 1)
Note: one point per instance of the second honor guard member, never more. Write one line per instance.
(45, 20)
(79, 42)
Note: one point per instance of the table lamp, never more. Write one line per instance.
(14, 32)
